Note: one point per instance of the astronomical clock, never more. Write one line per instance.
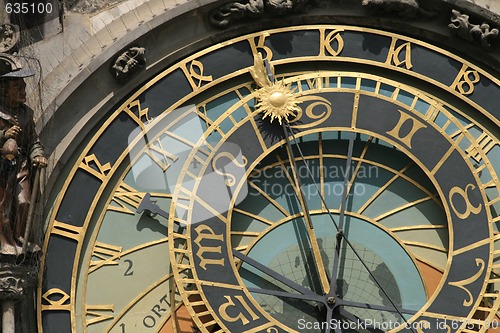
(319, 178)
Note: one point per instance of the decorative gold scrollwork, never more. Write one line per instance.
(312, 111)
(56, 299)
(460, 284)
(205, 232)
(465, 81)
(195, 74)
(327, 42)
(230, 303)
(230, 178)
(470, 209)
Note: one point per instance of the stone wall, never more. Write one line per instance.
(90, 6)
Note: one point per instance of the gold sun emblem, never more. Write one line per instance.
(275, 99)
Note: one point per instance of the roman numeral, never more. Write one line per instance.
(97, 313)
(67, 230)
(126, 196)
(107, 254)
(160, 156)
(483, 145)
(92, 165)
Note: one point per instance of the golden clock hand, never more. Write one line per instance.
(332, 298)
(318, 260)
(258, 73)
(340, 229)
(305, 293)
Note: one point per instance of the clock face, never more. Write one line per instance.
(228, 197)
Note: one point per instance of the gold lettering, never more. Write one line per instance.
(432, 113)
(126, 195)
(240, 316)
(195, 74)
(319, 110)
(465, 80)
(318, 83)
(67, 230)
(205, 232)
(469, 209)
(230, 178)
(165, 158)
(462, 283)
(484, 144)
(107, 255)
(99, 170)
(331, 44)
(396, 56)
(96, 315)
(141, 113)
(60, 303)
(404, 119)
(258, 45)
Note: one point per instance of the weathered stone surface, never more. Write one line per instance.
(9, 36)
(90, 6)
(16, 277)
(128, 63)
(229, 13)
(481, 34)
(404, 8)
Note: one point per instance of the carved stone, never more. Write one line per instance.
(480, 34)
(9, 36)
(16, 280)
(128, 62)
(401, 8)
(227, 14)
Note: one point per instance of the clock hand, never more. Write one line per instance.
(278, 293)
(340, 232)
(340, 235)
(331, 295)
(304, 292)
(329, 317)
(318, 261)
(150, 207)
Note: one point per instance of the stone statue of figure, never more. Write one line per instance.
(21, 153)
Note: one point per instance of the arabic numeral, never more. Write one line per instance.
(122, 326)
(25, 8)
(129, 271)
(45, 9)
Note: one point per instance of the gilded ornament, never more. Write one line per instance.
(275, 99)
